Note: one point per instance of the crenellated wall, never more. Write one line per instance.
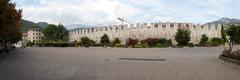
(143, 30)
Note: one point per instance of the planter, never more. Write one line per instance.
(230, 61)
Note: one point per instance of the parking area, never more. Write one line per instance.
(117, 64)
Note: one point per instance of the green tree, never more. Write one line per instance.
(223, 34)
(10, 22)
(55, 33)
(204, 40)
(182, 37)
(105, 40)
(86, 42)
(116, 41)
(234, 32)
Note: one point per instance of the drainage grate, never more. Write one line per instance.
(142, 59)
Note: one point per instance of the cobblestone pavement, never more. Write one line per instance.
(116, 64)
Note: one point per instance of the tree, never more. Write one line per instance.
(116, 41)
(131, 42)
(223, 34)
(86, 42)
(10, 22)
(182, 36)
(234, 32)
(55, 33)
(204, 40)
(75, 43)
(105, 40)
(169, 42)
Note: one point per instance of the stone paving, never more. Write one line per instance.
(117, 64)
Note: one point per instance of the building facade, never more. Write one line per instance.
(22, 43)
(35, 35)
(144, 30)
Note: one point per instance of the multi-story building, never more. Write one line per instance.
(144, 30)
(35, 35)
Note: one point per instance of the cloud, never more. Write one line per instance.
(77, 12)
(106, 11)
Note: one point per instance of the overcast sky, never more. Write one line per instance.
(106, 11)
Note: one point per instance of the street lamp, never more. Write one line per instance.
(229, 43)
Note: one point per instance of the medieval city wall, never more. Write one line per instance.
(142, 31)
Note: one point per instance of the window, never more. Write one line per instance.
(194, 26)
(216, 26)
(116, 28)
(155, 25)
(92, 30)
(164, 25)
(187, 25)
(179, 25)
(148, 26)
(209, 26)
(105, 28)
(171, 25)
(202, 27)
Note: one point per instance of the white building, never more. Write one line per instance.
(35, 35)
(143, 30)
(23, 42)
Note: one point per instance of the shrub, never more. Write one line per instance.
(216, 41)
(180, 46)
(131, 42)
(190, 45)
(156, 42)
(120, 45)
(233, 55)
(151, 42)
(29, 43)
(76, 43)
(139, 46)
(115, 41)
(86, 42)
(204, 40)
(163, 40)
(98, 45)
(164, 45)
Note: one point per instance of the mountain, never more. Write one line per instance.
(226, 21)
(42, 24)
(29, 24)
(76, 26)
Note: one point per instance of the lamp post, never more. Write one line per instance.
(229, 43)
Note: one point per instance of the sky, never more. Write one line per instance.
(95, 12)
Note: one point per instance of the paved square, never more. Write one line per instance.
(117, 64)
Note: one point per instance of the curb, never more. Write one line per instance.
(230, 61)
